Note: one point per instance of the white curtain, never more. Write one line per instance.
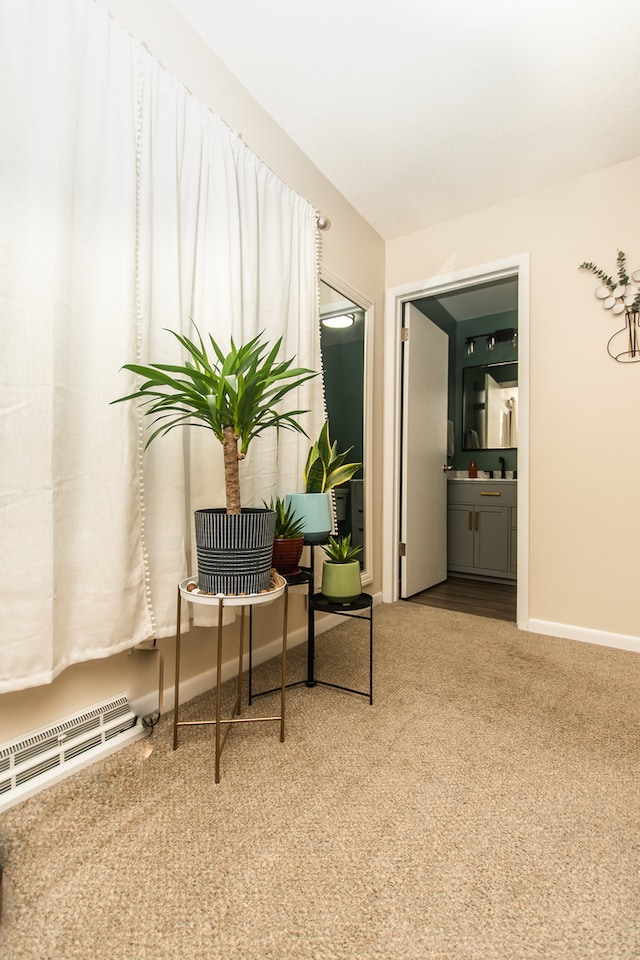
(126, 207)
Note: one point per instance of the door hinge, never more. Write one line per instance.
(404, 334)
(402, 549)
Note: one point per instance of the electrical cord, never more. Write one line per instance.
(151, 720)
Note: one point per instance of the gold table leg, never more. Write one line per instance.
(177, 680)
(220, 738)
(219, 745)
(283, 685)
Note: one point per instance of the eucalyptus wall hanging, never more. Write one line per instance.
(621, 296)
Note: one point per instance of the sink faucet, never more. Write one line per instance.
(501, 462)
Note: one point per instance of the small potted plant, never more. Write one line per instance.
(235, 395)
(289, 538)
(341, 582)
(325, 469)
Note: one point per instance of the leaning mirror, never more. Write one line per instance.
(490, 407)
(343, 342)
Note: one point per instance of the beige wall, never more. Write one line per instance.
(584, 452)
(352, 251)
(584, 446)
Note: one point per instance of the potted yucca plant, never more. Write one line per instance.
(325, 469)
(341, 581)
(235, 395)
(288, 538)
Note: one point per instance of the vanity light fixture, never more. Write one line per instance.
(498, 336)
(340, 322)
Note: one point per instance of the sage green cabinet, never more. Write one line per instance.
(481, 533)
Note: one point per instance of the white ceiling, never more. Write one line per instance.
(419, 112)
(481, 300)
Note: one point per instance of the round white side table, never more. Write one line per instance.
(279, 588)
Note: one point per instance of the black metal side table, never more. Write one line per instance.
(304, 577)
(359, 609)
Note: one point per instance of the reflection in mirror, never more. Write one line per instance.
(490, 407)
(342, 326)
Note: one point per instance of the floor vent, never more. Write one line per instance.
(45, 756)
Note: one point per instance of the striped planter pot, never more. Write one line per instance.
(234, 550)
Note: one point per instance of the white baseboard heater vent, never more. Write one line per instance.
(41, 758)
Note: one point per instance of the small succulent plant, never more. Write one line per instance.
(340, 550)
(289, 526)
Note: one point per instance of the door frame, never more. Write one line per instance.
(516, 265)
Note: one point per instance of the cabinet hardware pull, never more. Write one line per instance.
(490, 493)
(477, 519)
(470, 523)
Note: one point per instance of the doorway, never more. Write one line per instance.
(464, 280)
(479, 327)
(495, 600)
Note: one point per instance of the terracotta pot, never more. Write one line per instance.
(286, 555)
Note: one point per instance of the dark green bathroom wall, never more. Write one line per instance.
(504, 352)
(343, 367)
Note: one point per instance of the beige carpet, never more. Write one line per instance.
(485, 806)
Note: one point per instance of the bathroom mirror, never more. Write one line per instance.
(343, 340)
(490, 407)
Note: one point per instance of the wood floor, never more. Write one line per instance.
(496, 600)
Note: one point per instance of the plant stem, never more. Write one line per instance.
(231, 472)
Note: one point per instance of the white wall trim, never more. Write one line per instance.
(396, 297)
(566, 631)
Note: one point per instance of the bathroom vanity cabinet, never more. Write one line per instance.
(482, 528)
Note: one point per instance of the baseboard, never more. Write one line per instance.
(194, 686)
(565, 631)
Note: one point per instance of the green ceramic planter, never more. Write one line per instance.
(341, 582)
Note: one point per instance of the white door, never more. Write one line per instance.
(423, 521)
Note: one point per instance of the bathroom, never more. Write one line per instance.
(482, 446)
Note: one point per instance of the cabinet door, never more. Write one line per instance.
(460, 536)
(491, 544)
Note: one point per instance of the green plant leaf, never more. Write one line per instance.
(341, 551)
(241, 388)
(289, 526)
(325, 467)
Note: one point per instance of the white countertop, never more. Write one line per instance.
(482, 477)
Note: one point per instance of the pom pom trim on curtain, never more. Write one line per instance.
(127, 207)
